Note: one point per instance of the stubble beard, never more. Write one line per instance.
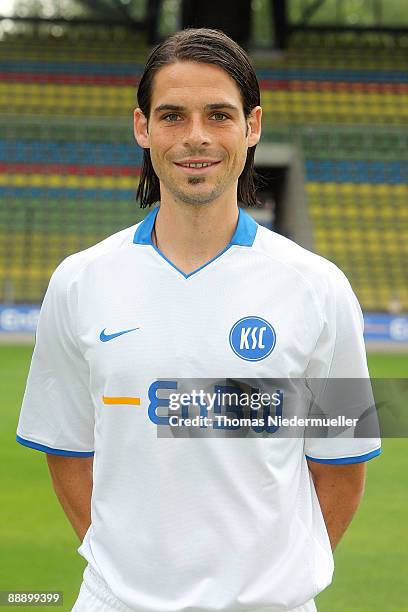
(199, 198)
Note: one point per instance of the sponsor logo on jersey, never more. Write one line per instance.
(104, 337)
(252, 338)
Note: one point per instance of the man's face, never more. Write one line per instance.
(197, 133)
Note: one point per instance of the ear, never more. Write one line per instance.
(140, 129)
(254, 122)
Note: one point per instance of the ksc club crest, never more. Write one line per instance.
(252, 338)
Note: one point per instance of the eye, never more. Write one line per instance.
(172, 117)
(219, 116)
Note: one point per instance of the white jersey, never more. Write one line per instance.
(193, 524)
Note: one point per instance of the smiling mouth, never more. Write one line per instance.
(194, 167)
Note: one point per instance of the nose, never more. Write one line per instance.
(196, 133)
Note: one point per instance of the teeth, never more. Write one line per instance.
(202, 165)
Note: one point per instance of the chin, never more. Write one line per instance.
(197, 199)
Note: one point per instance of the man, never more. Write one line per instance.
(195, 290)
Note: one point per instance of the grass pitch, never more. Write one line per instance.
(38, 546)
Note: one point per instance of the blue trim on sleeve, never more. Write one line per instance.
(348, 460)
(53, 451)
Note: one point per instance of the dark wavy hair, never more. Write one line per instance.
(204, 46)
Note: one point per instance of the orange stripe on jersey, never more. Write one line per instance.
(134, 401)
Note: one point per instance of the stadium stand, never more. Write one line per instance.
(69, 166)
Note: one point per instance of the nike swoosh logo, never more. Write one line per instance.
(106, 337)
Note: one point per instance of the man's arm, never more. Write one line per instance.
(340, 489)
(72, 479)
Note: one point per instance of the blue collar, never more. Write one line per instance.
(244, 234)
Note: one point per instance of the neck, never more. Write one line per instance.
(191, 235)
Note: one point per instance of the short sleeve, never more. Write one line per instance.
(57, 414)
(339, 357)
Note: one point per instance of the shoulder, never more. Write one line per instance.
(71, 267)
(303, 265)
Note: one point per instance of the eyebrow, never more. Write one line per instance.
(177, 108)
(218, 105)
(168, 107)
